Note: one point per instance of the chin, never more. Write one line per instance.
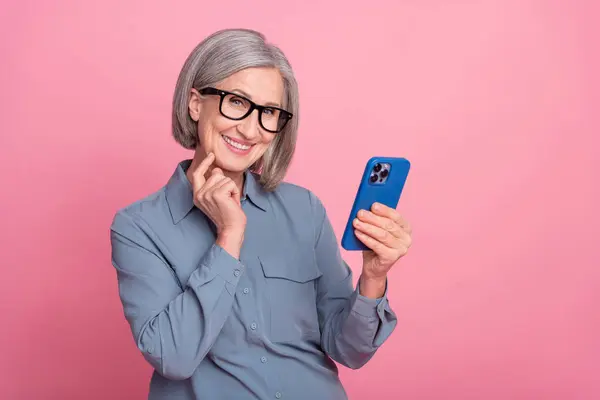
(236, 167)
(231, 163)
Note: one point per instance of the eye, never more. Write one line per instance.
(236, 101)
(269, 111)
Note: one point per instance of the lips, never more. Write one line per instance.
(236, 146)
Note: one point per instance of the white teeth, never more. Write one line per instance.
(235, 144)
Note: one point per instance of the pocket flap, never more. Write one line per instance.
(299, 268)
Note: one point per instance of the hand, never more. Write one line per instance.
(388, 236)
(219, 198)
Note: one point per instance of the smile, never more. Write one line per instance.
(235, 144)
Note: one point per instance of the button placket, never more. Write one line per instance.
(247, 302)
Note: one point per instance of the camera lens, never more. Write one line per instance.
(377, 168)
(374, 178)
(384, 173)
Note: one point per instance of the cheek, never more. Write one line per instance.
(267, 139)
(211, 128)
(263, 146)
(221, 124)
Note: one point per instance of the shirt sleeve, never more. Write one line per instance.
(352, 326)
(174, 327)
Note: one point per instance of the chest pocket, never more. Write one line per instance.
(291, 287)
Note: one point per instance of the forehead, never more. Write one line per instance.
(262, 85)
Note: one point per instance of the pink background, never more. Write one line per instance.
(495, 103)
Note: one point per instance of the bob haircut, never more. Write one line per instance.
(220, 55)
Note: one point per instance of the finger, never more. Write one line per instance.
(214, 182)
(227, 185)
(228, 188)
(211, 183)
(199, 173)
(379, 248)
(217, 171)
(391, 213)
(377, 233)
(382, 222)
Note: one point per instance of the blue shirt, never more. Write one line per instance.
(266, 326)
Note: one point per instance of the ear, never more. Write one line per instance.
(194, 105)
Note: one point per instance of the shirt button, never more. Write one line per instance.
(246, 290)
(236, 272)
(278, 395)
(253, 326)
(263, 359)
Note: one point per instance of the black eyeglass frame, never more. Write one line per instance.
(222, 93)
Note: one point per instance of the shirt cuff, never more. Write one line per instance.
(223, 264)
(368, 307)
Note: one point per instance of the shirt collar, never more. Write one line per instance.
(180, 198)
(254, 191)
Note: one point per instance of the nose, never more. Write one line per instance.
(249, 127)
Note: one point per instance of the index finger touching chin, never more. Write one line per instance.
(204, 165)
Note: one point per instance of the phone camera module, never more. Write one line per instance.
(380, 173)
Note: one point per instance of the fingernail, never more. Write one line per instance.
(356, 221)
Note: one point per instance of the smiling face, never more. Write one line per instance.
(237, 144)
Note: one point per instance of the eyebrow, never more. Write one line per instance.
(250, 97)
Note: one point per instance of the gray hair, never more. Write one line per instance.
(220, 55)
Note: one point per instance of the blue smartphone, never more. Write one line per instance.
(382, 182)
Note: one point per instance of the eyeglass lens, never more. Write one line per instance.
(236, 107)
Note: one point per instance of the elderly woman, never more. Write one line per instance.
(231, 280)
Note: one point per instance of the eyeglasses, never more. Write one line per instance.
(237, 107)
